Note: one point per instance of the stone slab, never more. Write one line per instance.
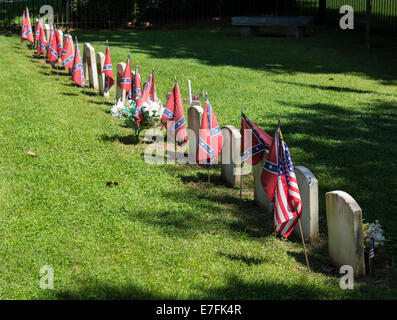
(90, 66)
(308, 188)
(345, 233)
(231, 157)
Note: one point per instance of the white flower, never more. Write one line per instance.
(154, 108)
(373, 231)
(116, 109)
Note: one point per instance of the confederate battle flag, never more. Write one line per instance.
(137, 91)
(108, 70)
(173, 117)
(68, 53)
(254, 141)
(56, 45)
(148, 96)
(77, 70)
(42, 42)
(210, 139)
(27, 33)
(125, 82)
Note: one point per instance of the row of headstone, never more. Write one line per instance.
(231, 171)
(344, 217)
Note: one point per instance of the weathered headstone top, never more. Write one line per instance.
(345, 232)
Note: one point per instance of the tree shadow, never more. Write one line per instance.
(308, 55)
(243, 258)
(332, 88)
(127, 140)
(224, 213)
(69, 94)
(350, 150)
(234, 287)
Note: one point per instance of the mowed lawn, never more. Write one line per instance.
(163, 232)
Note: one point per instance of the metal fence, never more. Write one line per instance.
(188, 13)
(383, 14)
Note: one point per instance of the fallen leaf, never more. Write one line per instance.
(213, 231)
(32, 154)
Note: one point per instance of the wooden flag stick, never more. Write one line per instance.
(175, 149)
(209, 176)
(304, 245)
(241, 181)
(242, 162)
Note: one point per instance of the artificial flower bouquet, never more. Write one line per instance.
(152, 111)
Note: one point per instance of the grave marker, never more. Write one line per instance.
(195, 113)
(308, 188)
(345, 231)
(231, 157)
(100, 59)
(47, 31)
(260, 196)
(90, 67)
(120, 92)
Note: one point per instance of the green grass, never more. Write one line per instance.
(150, 236)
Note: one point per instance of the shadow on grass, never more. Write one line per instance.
(233, 288)
(222, 212)
(127, 140)
(308, 55)
(350, 150)
(243, 258)
(332, 88)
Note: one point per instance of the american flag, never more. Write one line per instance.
(372, 250)
(287, 200)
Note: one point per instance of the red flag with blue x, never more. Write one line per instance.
(173, 117)
(137, 91)
(254, 141)
(77, 70)
(125, 82)
(148, 96)
(37, 33)
(55, 48)
(108, 70)
(67, 55)
(42, 42)
(27, 33)
(210, 139)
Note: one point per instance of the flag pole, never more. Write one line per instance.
(104, 87)
(208, 160)
(175, 131)
(299, 220)
(304, 245)
(241, 164)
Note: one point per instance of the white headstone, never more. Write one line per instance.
(65, 36)
(308, 188)
(195, 114)
(100, 60)
(90, 67)
(345, 231)
(260, 196)
(231, 157)
(47, 31)
(120, 92)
